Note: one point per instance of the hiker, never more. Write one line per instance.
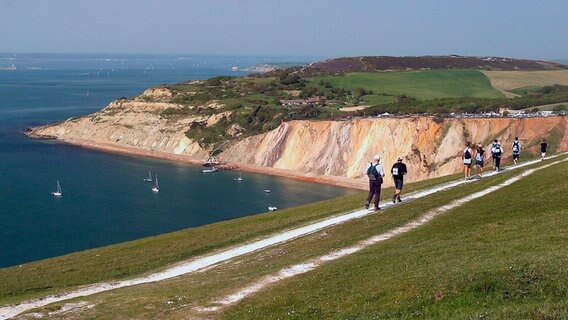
(516, 147)
(398, 171)
(467, 155)
(479, 159)
(375, 173)
(497, 153)
(493, 147)
(543, 146)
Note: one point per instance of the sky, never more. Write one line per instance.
(318, 28)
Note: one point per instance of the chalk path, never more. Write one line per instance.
(200, 263)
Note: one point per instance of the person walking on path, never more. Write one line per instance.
(375, 173)
(398, 171)
(497, 153)
(543, 147)
(516, 147)
(479, 160)
(467, 157)
(493, 147)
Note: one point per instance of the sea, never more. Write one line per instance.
(105, 200)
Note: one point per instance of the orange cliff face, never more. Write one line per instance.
(429, 148)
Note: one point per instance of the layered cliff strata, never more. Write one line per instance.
(430, 147)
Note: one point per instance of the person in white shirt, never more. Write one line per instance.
(516, 148)
(375, 172)
(497, 153)
(467, 157)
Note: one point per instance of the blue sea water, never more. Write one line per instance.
(104, 198)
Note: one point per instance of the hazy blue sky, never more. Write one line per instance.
(515, 28)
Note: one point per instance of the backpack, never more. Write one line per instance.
(496, 149)
(479, 156)
(516, 146)
(467, 154)
(372, 172)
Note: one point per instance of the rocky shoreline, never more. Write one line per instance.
(191, 160)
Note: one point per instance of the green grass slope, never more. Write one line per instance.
(502, 256)
(422, 85)
(435, 271)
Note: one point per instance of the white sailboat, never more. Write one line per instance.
(240, 178)
(156, 187)
(59, 192)
(149, 179)
(267, 190)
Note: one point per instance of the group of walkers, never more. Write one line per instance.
(468, 156)
(376, 172)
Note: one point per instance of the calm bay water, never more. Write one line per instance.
(105, 200)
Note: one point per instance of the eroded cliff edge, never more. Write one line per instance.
(430, 147)
(331, 149)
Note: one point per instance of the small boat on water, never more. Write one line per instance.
(149, 178)
(58, 192)
(211, 170)
(156, 187)
(267, 190)
(272, 208)
(240, 178)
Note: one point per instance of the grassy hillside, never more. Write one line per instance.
(422, 85)
(492, 257)
(502, 256)
(259, 103)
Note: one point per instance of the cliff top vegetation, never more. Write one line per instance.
(357, 87)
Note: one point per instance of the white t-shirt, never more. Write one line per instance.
(379, 168)
(467, 160)
(518, 146)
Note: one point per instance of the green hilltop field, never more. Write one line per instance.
(422, 85)
(259, 103)
(502, 256)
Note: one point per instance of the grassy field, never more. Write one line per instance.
(510, 80)
(428, 273)
(422, 85)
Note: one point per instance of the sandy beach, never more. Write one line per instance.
(359, 184)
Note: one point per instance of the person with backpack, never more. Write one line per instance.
(479, 160)
(497, 153)
(493, 148)
(516, 147)
(543, 147)
(398, 171)
(375, 173)
(467, 155)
